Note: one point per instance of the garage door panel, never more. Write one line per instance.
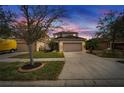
(72, 47)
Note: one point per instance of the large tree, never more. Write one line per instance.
(6, 18)
(119, 26)
(35, 22)
(106, 26)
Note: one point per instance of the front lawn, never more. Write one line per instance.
(8, 71)
(42, 55)
(109, 53)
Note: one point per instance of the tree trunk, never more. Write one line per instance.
(91, 50)
(113, 40)
(30, 54)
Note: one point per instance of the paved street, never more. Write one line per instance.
(83, 66)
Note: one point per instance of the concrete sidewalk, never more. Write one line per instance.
(7, 55)
(27, 60)
(64, 83)
(6, 58)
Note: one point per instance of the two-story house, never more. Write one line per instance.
(69, 41)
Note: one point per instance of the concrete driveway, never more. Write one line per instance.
(83, 66)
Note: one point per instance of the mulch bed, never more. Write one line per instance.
(30, 68)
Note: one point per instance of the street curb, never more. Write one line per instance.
(63, 83)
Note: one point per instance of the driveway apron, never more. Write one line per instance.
(80, 65)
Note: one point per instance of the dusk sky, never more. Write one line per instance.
(82, 19)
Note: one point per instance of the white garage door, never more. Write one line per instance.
(72, 47)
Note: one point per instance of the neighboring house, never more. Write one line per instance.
(69, 41)
(119, 45)
(37, 46)
(105, 43)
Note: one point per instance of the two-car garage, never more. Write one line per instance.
(72, 47)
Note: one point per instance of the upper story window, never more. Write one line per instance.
(55, 36)
(74, 34)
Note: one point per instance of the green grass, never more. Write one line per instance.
(42, 55)
(8, 71)
(109, 54)
(112, 54)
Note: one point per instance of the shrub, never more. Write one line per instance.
(53, 45)
(91, 44)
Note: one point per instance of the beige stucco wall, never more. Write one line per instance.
(22, 47)
(83, 46)
(61, 46)
(40, 46)
(62, 42)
